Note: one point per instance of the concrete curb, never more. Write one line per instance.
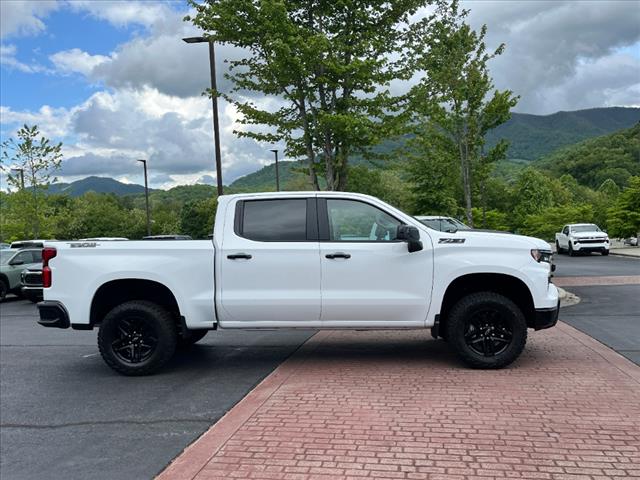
(636, 254)
(567, 299)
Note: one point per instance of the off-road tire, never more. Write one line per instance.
(507, 315)
(160, 324)
(605, 252)
(572, 252)
(559, 250)
(191, 337)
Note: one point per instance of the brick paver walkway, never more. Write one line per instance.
(399, 405)
(585, 281)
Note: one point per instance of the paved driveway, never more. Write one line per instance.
(65, 415)
(609, 313)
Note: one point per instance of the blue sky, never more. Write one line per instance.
(113, 81)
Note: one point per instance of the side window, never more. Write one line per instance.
(37, 256)
(24, 257)
(566, 230)
(275, 220)
(353, 221)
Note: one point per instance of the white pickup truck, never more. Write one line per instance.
(582, 237)
(302, 260)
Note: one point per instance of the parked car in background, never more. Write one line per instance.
(12, 263)
(36, 243)
(442, 224)
(582, 237)
(167, 237)
(31, 284)
(631, 241)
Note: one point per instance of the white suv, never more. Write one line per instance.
(582, 237)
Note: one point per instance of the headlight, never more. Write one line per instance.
(541, 255)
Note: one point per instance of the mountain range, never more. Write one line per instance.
(531, 137)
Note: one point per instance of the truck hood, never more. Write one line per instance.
(497, 239)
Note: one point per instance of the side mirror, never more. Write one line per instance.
(16, 262)
(411, 235)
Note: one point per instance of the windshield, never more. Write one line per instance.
(5, 256)
(585, 228)
(445, 224)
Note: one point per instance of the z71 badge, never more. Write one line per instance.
(451, 240)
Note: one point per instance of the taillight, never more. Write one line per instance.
(47, 254)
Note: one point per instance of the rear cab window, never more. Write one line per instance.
(276, 220)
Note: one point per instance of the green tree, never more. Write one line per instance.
(37, 159)
(384, 184)
(533, 194)
(545, 224)
(197, 217)
(624, 216)
(456, 99)
(327, 65)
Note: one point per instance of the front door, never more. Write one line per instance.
(369, 278)
(270, 265)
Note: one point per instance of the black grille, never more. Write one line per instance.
(32, 279)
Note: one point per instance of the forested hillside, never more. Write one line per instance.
(533, 136)
(615, 156)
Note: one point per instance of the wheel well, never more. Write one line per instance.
(116, 292)
(511, 287)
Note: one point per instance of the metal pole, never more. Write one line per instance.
(216, 127)
(146, 196)
(277, 172)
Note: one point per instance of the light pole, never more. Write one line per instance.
(277, 171)
(146, 196)
(214, 102)
(21, 170)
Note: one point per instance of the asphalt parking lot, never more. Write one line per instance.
(66, 415)
(608, 313)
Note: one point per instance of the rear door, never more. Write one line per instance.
(369, 278)
(270, 264)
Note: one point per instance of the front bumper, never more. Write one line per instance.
(589, 246)
(32, 293)
(53, 314)
(546, 317)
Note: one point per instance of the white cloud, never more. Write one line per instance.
(123, 13)
(76, 61)
(107, 133)
(558, 52)
(24, 17)
(9, 60)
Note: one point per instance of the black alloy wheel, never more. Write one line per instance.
(137, 340)
(486, 330)
(137, 337)
(488, 334)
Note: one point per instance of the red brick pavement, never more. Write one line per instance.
(353, 405)
(584, 281)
